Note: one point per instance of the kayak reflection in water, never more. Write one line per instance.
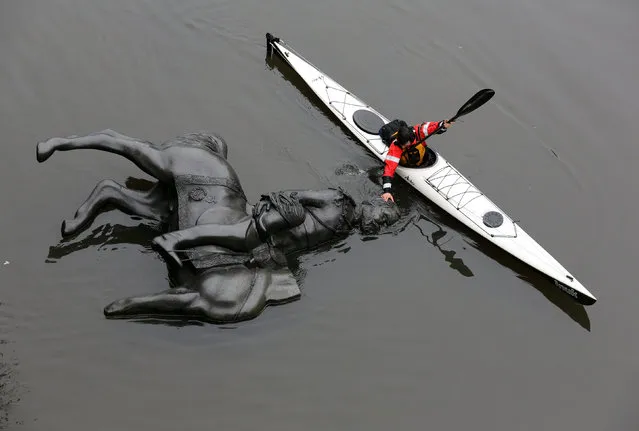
(406, 146)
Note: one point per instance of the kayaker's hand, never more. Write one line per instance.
(387, 196)
(447, 124)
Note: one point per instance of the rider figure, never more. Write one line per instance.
(407, 149)
(285, 222)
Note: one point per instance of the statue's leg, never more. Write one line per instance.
(240, 237)
(152, 204)
(173, 302)
(145, 155)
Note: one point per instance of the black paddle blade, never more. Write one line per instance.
(481, 97)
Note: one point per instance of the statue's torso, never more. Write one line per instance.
(321, 225)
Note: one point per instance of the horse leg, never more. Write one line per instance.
(220, 296)
(144, 155)
(153, 204)
(173, 302)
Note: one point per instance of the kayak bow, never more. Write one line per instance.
(436, 179)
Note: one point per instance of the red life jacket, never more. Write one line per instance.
(396, 154)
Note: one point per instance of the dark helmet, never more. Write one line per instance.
(405, 135)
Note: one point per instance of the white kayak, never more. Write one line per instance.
(436, 179)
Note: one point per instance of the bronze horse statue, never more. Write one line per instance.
(235, 253)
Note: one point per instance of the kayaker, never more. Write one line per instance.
(405, 148)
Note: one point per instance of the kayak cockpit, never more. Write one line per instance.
(430, 160)
(369, 122)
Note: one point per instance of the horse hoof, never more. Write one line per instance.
(117, 308)
(44, 150)
(68, 228)
(112, 309)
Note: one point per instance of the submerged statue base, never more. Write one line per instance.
(234, 254)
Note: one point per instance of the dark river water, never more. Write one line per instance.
(452, 334)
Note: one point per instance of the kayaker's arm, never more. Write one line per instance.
(430, 127)
(395, 153)
(390, 165)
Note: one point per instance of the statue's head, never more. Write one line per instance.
(376, 214)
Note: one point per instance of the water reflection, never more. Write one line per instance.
(543, 284)
(103, 236)
(172, 321)
(449, 255)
